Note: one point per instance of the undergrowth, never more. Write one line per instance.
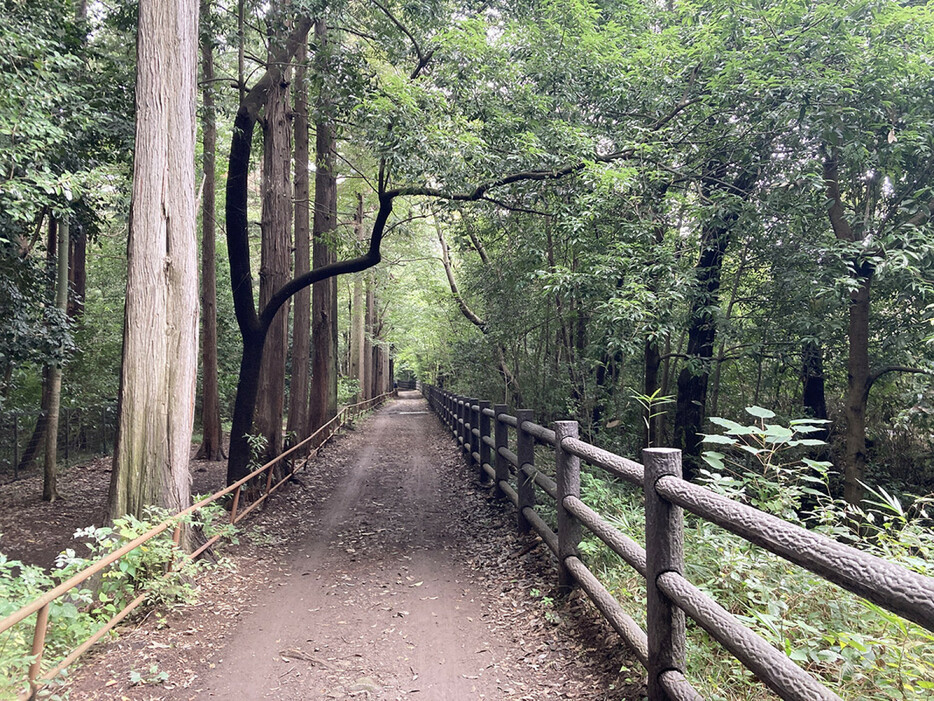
(77, 615)
(857, 648)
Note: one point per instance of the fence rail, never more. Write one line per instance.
(38, 677)
(482, 432)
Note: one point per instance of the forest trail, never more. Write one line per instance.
(392, 595)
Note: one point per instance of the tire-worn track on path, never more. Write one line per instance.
(410, 583)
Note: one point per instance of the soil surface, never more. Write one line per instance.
(384, 572)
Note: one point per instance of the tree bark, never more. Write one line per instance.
(324, 293)
(693, 379)
(368, 324)
(358, 313)
(212, 441)
(858, 339)
(301, 315)
(275, 259)
(50, 473)
(812, 385)
(77, 271)
(160, 343)
(36, 442)
(253, 326)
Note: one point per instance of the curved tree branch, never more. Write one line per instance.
(893, 368)
(446, 261)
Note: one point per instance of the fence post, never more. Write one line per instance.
(501, 438)
(484, 423)
(525, 452)
(474, 415)
(568, 474)
(38, 645)
(664, 552)
(461, 422)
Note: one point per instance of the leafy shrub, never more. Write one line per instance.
(74, 617)
(857, 648)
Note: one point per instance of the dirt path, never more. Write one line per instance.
(405, 581)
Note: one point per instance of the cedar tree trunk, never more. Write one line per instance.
(212, 445)
(301, 316)
(160, 339)
(324, 294)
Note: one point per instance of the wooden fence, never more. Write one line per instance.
(39, 675)
(482, 431)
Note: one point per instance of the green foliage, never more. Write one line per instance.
(77, 615)
(32, 329)
(763, 466)
(857, 648)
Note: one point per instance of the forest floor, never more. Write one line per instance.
(383, 572)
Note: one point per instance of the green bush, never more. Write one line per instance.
(855, 647)
(77, 615)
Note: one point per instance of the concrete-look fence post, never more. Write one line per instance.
(474, 439)
(469, 427)
(501, 437)
(568, 477)
(664, 552)
(461, 421)
(525, 454)
(453, 414)
(484, 423)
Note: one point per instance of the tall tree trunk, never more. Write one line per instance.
(857, 375)
(358, 313)
(812, 384)
(857, 394)
(324, 294)
(718, 364)
(50, 474)
(276, 259)
(301, 316)
(254, 325)
(160, 341)
(651, 427)
(368, 324)
(36, 444)
(693, 379)
(77, 271)
(212, 442)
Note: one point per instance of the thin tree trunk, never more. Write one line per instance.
(812, 384)
(857, 394)
(36, 444)
(324, 294)
(276, 259)
(702, 329)
(301, 316)
(160, 348)
(369, 321)
(718, 363)
(212, 441)
(358, 313)
(77, 271)
(652, 425)
(50, 474)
